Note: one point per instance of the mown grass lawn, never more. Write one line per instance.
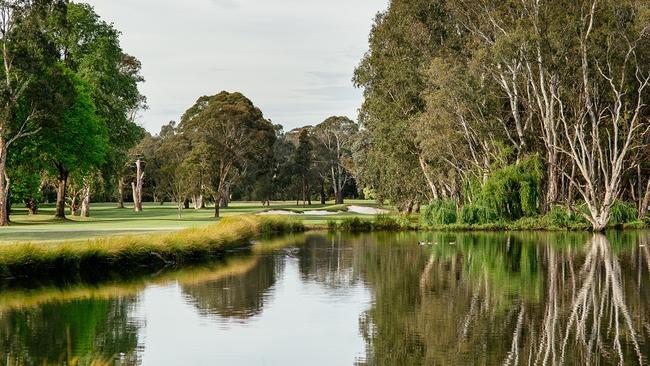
(108, 220)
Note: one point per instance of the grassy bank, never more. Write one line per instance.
(107, 220)
(401, 223)
(96, 257)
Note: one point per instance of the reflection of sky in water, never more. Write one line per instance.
(301, 323)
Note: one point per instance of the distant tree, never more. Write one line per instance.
(234, 134)
(302, 159)
(336, 136)
(175, 176)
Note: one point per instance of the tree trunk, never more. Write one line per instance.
(137, 186)
(74, 205)
(308, 195)
(186, 203)
(225, 197)
(120, 192)
(4, 185)
(197, 200)
(643, 209)
(216, 207)
(60, 193)
(85, 201)
(323, 199)
(552, 188)
(570, 187)
(32, 206)
(339, 197)
(434, 191)
(409, 208)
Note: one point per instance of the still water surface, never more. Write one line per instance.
(375, 299)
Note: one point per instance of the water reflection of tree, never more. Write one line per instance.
(509, 300)
(328, 260)
(80, 332)
(238, 296)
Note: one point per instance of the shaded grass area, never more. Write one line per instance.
(107, 220)
(97, 257)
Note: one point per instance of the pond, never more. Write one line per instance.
(343, 299)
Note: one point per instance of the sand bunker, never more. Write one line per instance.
(278, 212)
(287, 212)
(353, 209)
(321, 212)
(366, 210)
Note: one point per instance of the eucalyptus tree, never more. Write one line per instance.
(175, 174)
(80, 140)
(336, 136)
(28, 55)
(302, 159)
(402, 42)
(90, 47)
(577, 79)
(234, 134)
(607, 118)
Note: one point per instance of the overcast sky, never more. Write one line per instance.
(293, 58)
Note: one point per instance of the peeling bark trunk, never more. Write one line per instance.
(85, 201)
(4, 185)
(197, 200)
(643, 209)
(552, 189)
(137, 186)
(434, 191)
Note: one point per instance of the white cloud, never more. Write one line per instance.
(293, 58)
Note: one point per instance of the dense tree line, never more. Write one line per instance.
(223, 148)
(508, 108)
(68, 102)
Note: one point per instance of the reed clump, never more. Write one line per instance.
(133, 252)
(378, 223)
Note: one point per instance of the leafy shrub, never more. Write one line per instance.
(390, 223)
(440, 212)
(560, 217)
(513, 191)
(473, 214)
(622, 212)
(355, 224)
(530, 223)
